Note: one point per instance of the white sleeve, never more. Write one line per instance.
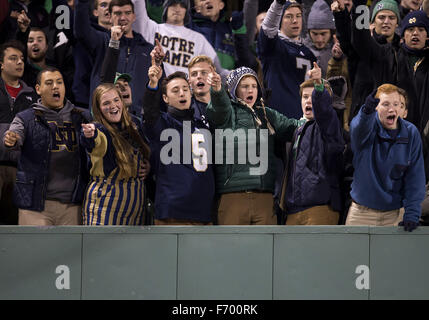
(271, 23)
(143, 24)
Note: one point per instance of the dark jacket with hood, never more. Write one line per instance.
(360, 71)
(391, 63)
(232, 114)
(134, 56)
(231, 45)
(52, 164)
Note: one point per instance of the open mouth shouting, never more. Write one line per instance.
(308, 112)
(415, 40)
(183, 102)
(249, 99)
(390, 120)
(56, 96)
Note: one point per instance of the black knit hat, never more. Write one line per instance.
(415, 19)
(185, 4)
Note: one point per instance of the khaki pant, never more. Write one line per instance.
(246, 208)
(318, 215)
(363, 216)
(177, 222)
(55, 214)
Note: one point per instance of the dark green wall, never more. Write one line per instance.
(217, 262)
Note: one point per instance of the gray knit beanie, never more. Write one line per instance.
(234, 78)
(320, 16)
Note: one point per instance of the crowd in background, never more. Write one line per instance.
(337, 92)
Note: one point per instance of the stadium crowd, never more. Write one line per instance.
(214, 112)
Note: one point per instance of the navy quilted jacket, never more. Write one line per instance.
(33, 165)
(312, 174)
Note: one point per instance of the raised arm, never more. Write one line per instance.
(83, 31)
(363, 43)
(143, 24)
(151, 102)
(250, 10)
(219, 109)
(270, 26)
(110, 62)
(362, 126)
(244, 56)
(14, 137)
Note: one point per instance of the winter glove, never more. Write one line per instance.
(236, 20)
(409, 225)
(371, 103)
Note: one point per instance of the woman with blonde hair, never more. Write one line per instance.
(117, 152)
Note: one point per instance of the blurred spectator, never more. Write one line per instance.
(84, 55)
(409, 5)
(15, 96)
(35, 11)
(285, 59)
(134, 56)
(4, 13)
(180, 44)
(154, 10)
(405, 65)
(321, 28)
(388, 160)
(425, 7)
(228, 38)
(51, 176)
(338, 76)
(311, 184)
(360, 71)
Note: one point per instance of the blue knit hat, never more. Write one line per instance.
(169, 3)
(415, 19)
(320, 16)
(235, 76)
(386, 5)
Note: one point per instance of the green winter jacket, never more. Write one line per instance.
(230, 117)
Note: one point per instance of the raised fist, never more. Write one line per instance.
(315, 74)
(88, 130)
(214, 80)
(10, 138)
